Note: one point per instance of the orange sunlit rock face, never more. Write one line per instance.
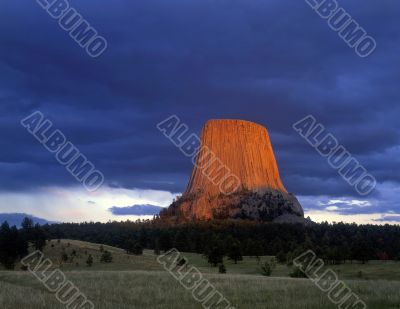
(235, 168)
(242, 146)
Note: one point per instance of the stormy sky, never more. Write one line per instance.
(268, 61)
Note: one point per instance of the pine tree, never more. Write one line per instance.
(268, 267)
(221, 269)
(235, 251)
(165, 241)
(106, 257)
(181, 241)
(133, 247)
(64, 256)
(214, 253)
(27, 228)
(39, 237)
(156, 247)
(89, 261)
(8, 245)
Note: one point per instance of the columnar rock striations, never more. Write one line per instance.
(235, 176)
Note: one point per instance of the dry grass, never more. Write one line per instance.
(141, 289)
(139, 282)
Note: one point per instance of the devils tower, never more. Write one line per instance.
(235, 176)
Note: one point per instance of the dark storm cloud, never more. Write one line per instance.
(272, 62)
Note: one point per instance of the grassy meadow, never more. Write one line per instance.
(140, 282)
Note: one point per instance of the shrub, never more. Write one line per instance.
(106, 257)
(268, 267)
(64, 257)
(297, 273)
(89, 261)
(133, 248)
(221, 269)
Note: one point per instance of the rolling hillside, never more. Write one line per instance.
(140, 282)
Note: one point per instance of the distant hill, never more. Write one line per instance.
(16, 219)
(136, 210)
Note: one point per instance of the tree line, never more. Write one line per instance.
(335, 243)
(15, 243)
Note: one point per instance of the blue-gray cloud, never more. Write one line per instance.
(388, 219)
(136, 210)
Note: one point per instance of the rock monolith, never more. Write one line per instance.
(235, 176)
